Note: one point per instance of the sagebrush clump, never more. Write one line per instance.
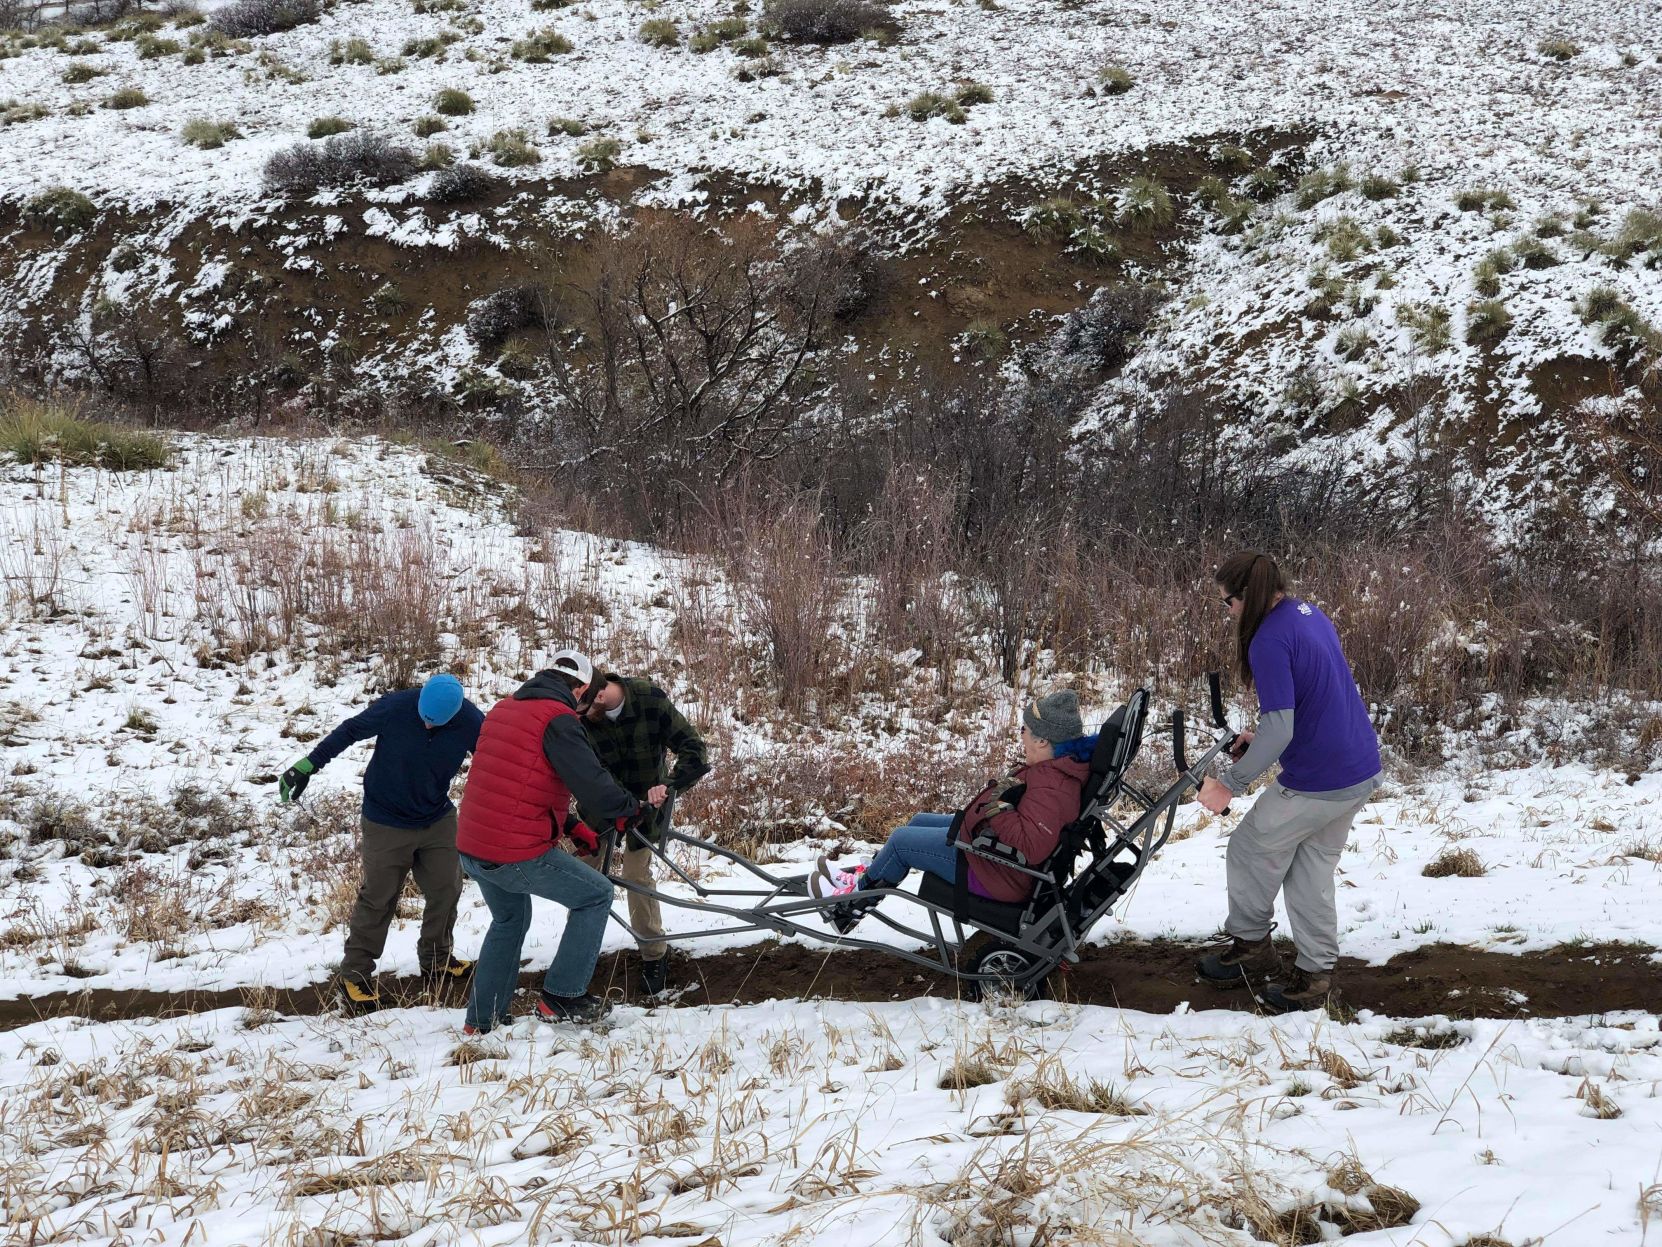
(512, 149)
(1115, 80)
(61, 210)
(248, 19)
(325, 127)
(659, 32)
(828, 21)
(540, 46)
(599, 155)
(453, 102)
(357, 156)
(1144, 203)
(126, 97)
(209, 135)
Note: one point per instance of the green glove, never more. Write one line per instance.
(293, 781)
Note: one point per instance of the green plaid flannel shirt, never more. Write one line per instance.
(632, 747)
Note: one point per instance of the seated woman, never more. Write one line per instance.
(1025, 810)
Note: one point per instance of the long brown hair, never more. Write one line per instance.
(1255, 579)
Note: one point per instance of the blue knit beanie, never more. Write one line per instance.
(441, 698)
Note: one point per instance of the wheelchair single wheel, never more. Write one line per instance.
(1015, 975)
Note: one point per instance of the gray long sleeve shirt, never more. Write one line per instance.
(1274, 734)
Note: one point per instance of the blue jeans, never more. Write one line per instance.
(921, 845)
(555, 876)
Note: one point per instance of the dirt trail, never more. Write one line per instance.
(1152, 977)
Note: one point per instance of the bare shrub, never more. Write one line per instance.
(687, 354)
(786, 575)
(1104, 332)
(462, 183)
(356, 156)
(827, 21)
(248, 19)
(911, 552)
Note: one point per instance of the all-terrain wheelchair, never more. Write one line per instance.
(987, 945)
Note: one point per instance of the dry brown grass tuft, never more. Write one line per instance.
(1054, 1089)
(389, 1170)
(1423, 1037)
(970, 1071)
(1337, 1068)
(1384, 1207)
(1460, 863)
(554, 1136)
(1598, 1103)
(1289, 1227)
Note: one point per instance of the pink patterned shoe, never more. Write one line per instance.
(827, 881)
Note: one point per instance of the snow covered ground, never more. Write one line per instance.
(145, 847)
(912, 1124)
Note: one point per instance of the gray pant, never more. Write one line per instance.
(1290, 841)
(389, 855)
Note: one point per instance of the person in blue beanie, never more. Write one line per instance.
(408, 827)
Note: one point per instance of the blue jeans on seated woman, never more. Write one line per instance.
(920, 845)
(555, 876)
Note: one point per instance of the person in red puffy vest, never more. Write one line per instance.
(533, 757)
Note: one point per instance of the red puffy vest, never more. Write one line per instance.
(514, 802)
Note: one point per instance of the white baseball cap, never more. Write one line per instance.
(574, 663)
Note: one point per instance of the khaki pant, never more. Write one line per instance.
(1290, 842)
(390, 854)
(645, 915)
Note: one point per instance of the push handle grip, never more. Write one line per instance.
(1214, 685)
(1179, 755)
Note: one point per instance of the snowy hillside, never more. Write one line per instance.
(174, 638)
(1374, 224)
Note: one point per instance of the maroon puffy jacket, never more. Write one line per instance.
(1034, 827)
(532, 756)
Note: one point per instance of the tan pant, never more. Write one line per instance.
(389, 855)
(645, 915)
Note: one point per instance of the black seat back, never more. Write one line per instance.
(1116, 748)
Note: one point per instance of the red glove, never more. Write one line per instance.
(582, 835)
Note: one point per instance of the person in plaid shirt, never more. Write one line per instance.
(632, 724)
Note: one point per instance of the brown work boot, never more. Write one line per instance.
(1304, 989)
(1240, 964)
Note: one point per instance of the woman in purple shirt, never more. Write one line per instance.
(1312, 721)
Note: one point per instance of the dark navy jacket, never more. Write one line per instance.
(408, 780)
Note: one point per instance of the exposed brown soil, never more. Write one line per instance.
(1151, 977)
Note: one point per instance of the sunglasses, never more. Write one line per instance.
(1230, 600)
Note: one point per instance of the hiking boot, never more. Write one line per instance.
(472, 1031)
(655, 975)
(1304, 989)
(579, 1010)
(359, 997)
(451, 970)
(1240, 964)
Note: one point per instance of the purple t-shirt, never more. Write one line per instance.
(1297, 665)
